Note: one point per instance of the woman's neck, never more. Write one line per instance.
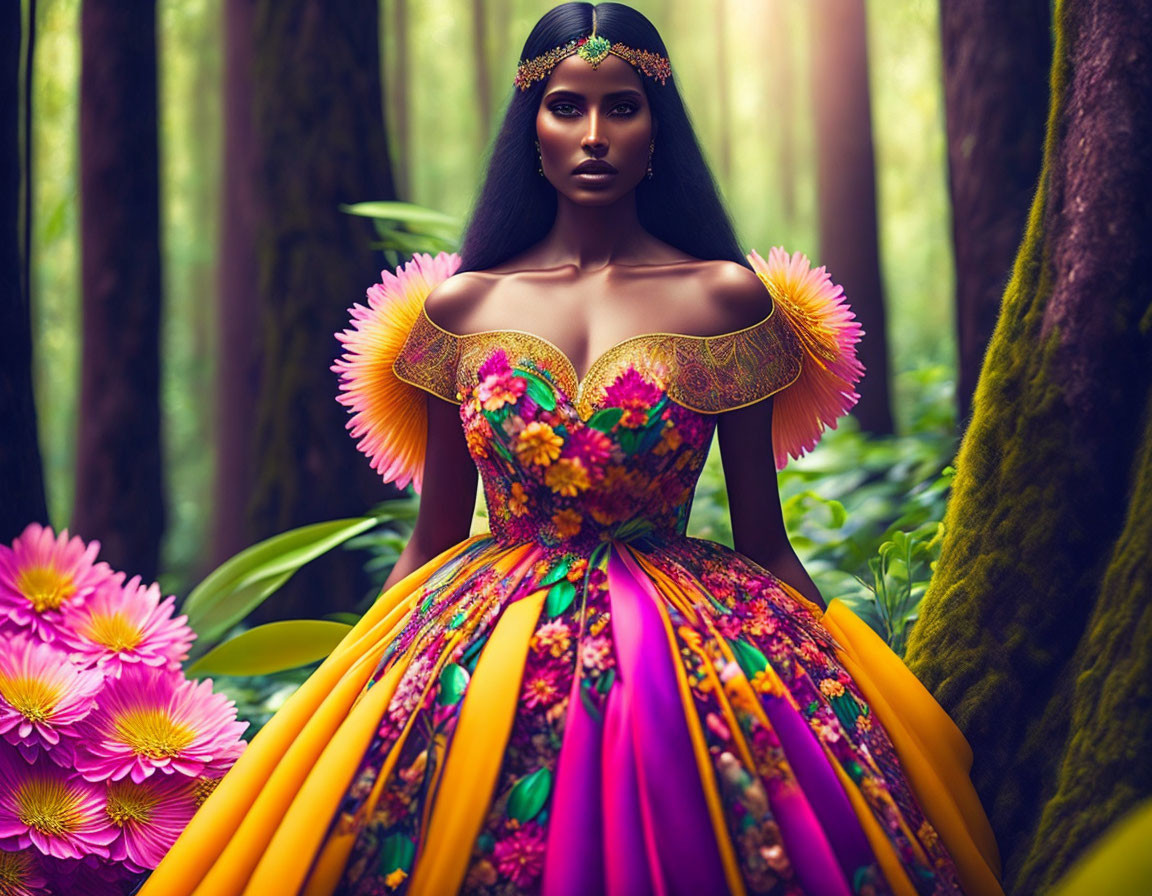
(592, 237)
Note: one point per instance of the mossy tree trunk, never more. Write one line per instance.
(846, 182)
(22, 497)
(318, 141)
(119, 482)
(1036, 632)
(996, 60)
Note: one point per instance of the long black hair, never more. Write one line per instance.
(679, 204)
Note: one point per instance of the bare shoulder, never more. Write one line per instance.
(454, 303)
(735, 294)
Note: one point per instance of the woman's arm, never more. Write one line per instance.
(449, 492)
(753, 498)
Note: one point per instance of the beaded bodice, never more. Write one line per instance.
(567, 461)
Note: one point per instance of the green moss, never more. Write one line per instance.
(1031, 634)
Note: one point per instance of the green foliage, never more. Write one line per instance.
(239, 585)
(271, 648)
(403, 229)
(863, 513)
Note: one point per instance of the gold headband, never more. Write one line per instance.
(593, 50)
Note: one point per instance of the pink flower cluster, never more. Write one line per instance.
(106, 749)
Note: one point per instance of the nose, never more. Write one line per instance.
(594, 142)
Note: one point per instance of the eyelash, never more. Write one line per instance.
(630, 108)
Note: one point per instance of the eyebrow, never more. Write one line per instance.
(626, 93)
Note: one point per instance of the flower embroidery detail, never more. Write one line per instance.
(518, 500)
(567, 477)
(567, 522)
(538, 445)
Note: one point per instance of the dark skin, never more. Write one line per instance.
(596, 279)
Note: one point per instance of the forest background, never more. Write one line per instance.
(179, 356)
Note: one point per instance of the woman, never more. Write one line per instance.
(586, 700)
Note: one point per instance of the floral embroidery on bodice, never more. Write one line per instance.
(571, 462)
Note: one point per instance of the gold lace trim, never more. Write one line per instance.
(708, 374)
(429, 358)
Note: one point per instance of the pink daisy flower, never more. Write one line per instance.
(496, 364)
(634, 394)
(828, 331)
(149, 817)
(118, 626)
(41, 574)
(45, 806)
(390, 424)
(21, 873)
(146, 721)
(541, 687)
(42, 696)
(520, 857)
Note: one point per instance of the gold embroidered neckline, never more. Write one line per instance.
(574, 384)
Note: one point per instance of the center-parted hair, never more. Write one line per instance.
(679, 204)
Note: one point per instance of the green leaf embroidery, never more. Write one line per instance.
(453, 682)
(605, 419)
(529, 795)
(396, 851)
(560, 597)
(539, 391)
(750, 658)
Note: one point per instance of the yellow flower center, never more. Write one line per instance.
(114, 631)
(128, 802)
(153, 733)
(33, 698)
(46, 588)
(49, 806)
(15, 869)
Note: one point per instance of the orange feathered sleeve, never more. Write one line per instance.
(392, 353)
(827, 331)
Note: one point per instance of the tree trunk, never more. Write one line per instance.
(238, 315)
(996, 60)
(22, 497)
(1036, 632)
(849, 245)
(318, 141)
(119, 488)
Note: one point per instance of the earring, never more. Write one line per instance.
(539, 160)
(651, 149)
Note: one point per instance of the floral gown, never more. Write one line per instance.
(586, 700)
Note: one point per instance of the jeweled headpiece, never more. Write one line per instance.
(593, 49)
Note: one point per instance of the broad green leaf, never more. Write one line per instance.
(453, 683)
(750, 658)
(408, 212)
(272, 648)
(560, 597)
(242, 583)
(529, 795)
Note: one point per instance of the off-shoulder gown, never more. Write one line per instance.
(586, 700)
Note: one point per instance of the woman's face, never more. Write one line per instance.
(594, 126)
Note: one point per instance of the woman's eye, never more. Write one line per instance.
(623, 109)
(564, 110)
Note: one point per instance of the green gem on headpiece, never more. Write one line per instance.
(594, 50)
